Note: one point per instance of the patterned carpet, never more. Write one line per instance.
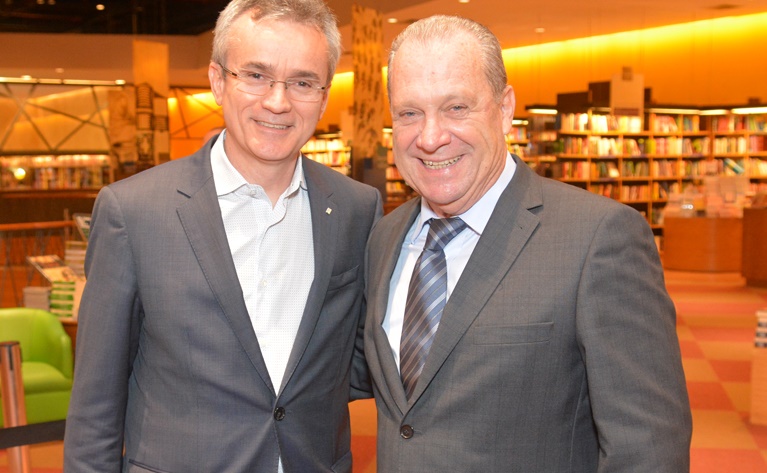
(716, 325)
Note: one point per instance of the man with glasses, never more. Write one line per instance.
(219, 327)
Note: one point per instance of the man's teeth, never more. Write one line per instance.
(441, 164)
(273, 125)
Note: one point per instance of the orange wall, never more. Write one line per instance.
(711, 62)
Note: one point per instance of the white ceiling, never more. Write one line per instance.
(515, 21)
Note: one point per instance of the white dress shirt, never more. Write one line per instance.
(273, 252)
(457, 253)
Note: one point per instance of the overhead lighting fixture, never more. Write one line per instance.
(100, 7)
(674, 110)
(539, 109)
(749, 110)
(540, 30)
(714, 111)
(463, 1)
(392, 20)
(120, 82)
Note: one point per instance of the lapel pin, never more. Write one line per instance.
(328, 210)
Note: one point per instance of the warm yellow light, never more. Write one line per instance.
(679, 111)
(519, 122)
(120, 82)
(392, 20)
(719, 111)
(543, 111)
(100, 7)
(749, 110)
(19, 174)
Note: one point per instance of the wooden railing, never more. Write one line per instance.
(20, 240)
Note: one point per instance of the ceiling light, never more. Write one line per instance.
(120, 82)
(59, 70)
(100, 7)
(463, 1)
(391, 20)
(540, 30)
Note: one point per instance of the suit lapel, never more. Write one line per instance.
(506, 233)
(386, 261)
(325, 238)
(201, 218)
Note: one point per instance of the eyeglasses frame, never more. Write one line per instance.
(287, 83)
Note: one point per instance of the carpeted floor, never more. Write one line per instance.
(716, 325)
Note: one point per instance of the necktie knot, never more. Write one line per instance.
(441, 231)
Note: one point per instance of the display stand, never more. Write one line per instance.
(754, 256)
(703, 244)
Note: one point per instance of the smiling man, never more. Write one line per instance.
(515, 323)
(220, 326)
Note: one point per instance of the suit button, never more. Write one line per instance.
(406, 432)
(279, 413)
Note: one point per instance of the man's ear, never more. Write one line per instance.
(216, 78)
(508, 102)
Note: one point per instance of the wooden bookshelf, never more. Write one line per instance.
(640, 162)
(60, 171)
(330, 150)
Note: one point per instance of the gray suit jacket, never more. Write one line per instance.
(556, 352)
(167, 359)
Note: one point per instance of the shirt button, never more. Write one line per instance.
(406, 432)
(279, 413)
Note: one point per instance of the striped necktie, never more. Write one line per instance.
(426, 298)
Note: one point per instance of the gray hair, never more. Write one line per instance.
(441, 27)
(313, 13)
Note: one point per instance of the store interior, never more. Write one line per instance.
(659, 105)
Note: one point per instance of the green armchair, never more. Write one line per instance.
(46, 361)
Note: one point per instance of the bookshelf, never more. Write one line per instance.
(64, 171)
(330, 150)
(636, 160)
(641, 161)
(397, 189)
(518, 141)
(739, 146)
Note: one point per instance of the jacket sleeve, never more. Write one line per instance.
(108, 326)
(626, 328)
(361, 387)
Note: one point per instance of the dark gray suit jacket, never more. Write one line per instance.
(556, 352)
(167, 359)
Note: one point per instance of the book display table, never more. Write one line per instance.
(755, 246)
(703, 244)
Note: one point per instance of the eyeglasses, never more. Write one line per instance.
(255, 83)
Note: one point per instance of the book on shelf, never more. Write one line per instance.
(733, 166)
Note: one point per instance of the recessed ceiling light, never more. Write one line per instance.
(100, 7)
(391, 20)
(463, 1)
(540, 30)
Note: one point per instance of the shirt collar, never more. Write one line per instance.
(479, 214)
(227, 179)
